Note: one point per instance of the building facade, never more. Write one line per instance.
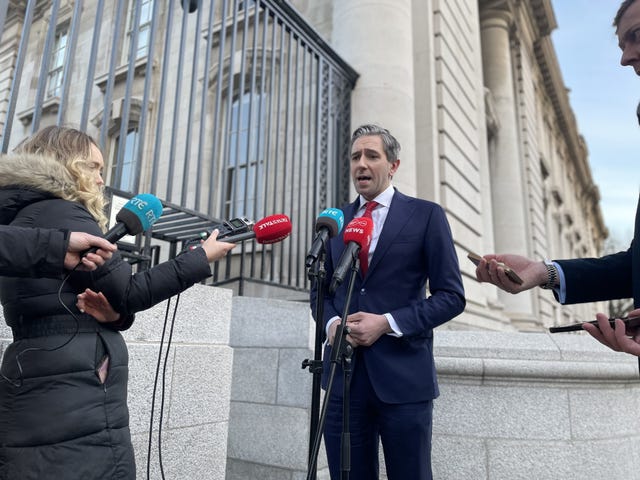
(244, 108)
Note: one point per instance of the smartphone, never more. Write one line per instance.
(513, 276)
(630, 323)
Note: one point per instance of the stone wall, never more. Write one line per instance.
(197, 385)
(511, 406)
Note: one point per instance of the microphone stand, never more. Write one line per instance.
(343, 349)
(318, 272)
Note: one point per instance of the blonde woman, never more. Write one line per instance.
(63, 411)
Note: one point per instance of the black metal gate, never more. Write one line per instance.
(237, 108)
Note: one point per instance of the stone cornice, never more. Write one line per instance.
(556, 92)
(545, 19)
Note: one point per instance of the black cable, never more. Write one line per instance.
(155, 386)
(18, 382)
(164, 377)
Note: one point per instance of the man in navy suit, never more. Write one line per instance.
(590, 279)
(390, 319)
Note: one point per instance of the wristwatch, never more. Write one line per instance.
(552, 276)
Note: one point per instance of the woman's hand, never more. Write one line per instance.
(214, 249)
(97, 305)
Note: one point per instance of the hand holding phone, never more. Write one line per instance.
(630, 323)
(511, 275)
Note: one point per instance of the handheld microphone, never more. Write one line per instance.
(357, 235)
(328, 225)
(271, 229)
(136, 216)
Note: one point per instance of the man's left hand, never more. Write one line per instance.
(618, 338)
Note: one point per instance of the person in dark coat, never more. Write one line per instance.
(40, 252)
(63, 385)
(583, 280)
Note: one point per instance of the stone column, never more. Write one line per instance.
(375, 37)
(511, 233)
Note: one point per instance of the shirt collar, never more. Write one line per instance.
(383, 199)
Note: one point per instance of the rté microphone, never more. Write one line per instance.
(136, 216)
(328, 224)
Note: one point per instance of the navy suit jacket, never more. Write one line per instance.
(415, 247)
(606, 278)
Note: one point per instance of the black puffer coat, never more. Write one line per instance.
(58, 419)
(43, 249)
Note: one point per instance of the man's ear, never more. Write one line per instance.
(394, 167)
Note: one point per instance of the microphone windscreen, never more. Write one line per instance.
(190, 5)
(331, 218)
(272, 229)
(359, 230)
(139, 213)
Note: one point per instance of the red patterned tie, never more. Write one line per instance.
(364, 252)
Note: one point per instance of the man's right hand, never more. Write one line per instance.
(532, 272)
(333, 328)
(80, 242)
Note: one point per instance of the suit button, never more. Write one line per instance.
(363, 291)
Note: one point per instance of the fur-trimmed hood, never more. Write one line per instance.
(27, 178)
(35, 172)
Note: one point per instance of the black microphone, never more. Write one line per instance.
(328, 225)
(190, 6)
(357, 235)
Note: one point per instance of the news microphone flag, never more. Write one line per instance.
(357, 235)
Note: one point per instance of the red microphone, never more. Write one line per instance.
(271, 229)
(357, 235)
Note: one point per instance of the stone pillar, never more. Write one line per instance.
(383, 57)
(511, 233)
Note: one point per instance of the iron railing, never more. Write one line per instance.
(236, 109)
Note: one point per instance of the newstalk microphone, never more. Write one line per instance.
(271, 229)
(357, 235)
(328, 225)
(136, 216)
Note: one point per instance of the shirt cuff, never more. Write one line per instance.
(329, 323)
(394, 326)
(562, 290)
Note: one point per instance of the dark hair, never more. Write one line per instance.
(390, 144)
(624, 6)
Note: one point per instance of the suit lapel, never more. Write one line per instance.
(400, 212)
